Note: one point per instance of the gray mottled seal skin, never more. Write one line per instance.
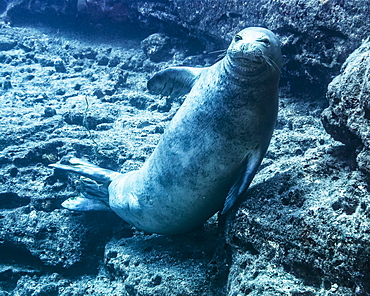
(210, 151)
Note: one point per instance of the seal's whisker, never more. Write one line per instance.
(222, 54)
(267, 61)
(220, 57)
(271, 63)
(217, 51)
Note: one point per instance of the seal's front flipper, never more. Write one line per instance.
(251, 163)
(174, 81)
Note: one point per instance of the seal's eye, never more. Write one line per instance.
(265, 41)
(238, 38)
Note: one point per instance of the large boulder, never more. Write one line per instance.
(303, 228)
(348, 116)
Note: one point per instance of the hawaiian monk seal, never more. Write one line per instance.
(210, 151)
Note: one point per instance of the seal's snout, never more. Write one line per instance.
(248, 47)
(251, 50)
(248, 52)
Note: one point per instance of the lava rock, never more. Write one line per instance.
(113, 62)
(49, 112)
(102, 60)
(140, 101)
(37, 231)
(347, 118)
(157, 47)
(87, 119)
(7, 43)
(7, 84)
(98, 93)
(303, 228)
(291, 238)
(130, 259)
(314, 44)
(10, 200)
(60, 66)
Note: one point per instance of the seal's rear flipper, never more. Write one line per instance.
(174, 81)
(94, 197)
(240, 186)
(83, 204)
(87, 169)
(94, 185)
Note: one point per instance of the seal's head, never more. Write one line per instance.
(254, 50)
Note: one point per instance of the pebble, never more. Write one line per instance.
(60, 66)
(49, 112)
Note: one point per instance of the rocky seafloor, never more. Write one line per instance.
(304, 225)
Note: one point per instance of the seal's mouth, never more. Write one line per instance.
(249, 62)
(253, 60)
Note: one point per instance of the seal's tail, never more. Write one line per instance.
(94, 185)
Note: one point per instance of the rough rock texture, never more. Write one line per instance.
(304, 226)
(317, 35)
(303, 230)
(347, 118)
(72, 95)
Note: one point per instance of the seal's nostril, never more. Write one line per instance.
(245, 47)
